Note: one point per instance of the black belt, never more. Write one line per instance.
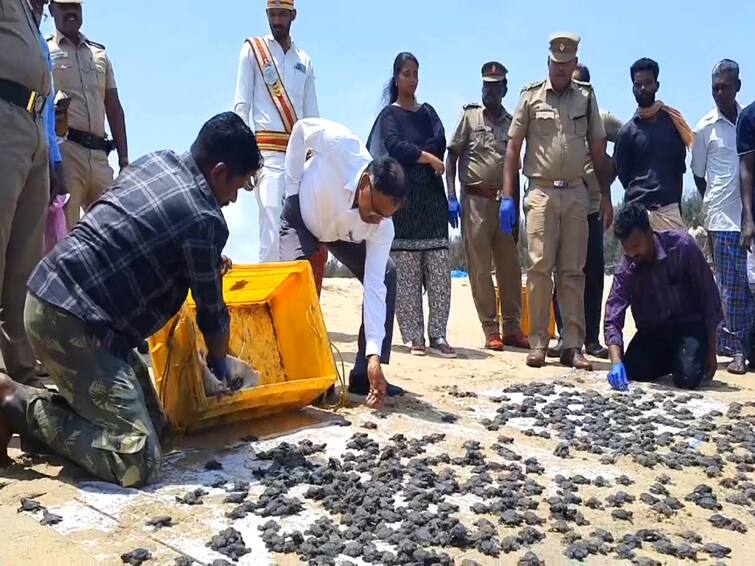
(31, 101)
(89, 141)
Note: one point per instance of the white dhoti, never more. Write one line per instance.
(269, 193)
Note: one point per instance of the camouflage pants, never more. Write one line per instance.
(106, 414)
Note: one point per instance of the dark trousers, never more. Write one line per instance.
(594, 273)
(680, 350)
(298, 243)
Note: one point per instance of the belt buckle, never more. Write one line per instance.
(560, 184)
(33, 102)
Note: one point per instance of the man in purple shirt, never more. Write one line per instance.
(675, 303)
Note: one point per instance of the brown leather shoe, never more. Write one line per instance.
(517, 340)
(536, 358)
(573, 358)
(494, 342)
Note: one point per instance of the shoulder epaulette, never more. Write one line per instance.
(94, 44)
(471, 105)
(533, 85)
(583, 83)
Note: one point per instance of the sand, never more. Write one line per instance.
(101, 521)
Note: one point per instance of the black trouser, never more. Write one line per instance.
(594, 274)
(298, 243)
(680, 350)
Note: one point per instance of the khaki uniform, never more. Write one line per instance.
(556, 129)
(480, 144)
(24, 177)
(84, 73)
(611, 125)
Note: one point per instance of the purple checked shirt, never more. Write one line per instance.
(677, 288)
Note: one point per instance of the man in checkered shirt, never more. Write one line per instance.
(118, 277)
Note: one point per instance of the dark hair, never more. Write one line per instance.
(584, 73)
(388, 177)
(644, 64)
(631, 217)
(390, 93)
(725, 66)
(225, 138)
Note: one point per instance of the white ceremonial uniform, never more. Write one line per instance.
(255, 106)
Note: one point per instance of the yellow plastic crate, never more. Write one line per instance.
(276, 325)
(525, 318)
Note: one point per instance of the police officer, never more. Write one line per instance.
(275, 87)
(560, 120)
(24, 174)
(82, 69)
(479, 146)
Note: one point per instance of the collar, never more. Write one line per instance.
(549, 86)
(660, 251)
(503, 116)
(59, 38)
(188, 160)
(270, 39)
(718, 115)
(660, 255)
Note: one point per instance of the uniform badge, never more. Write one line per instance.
(270, 75)
(561, 47)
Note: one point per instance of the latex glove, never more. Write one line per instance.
(219, 368)
(617, 377)
(507, 215)
(454, 212)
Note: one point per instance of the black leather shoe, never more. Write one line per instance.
(597, 351)
(557, 350)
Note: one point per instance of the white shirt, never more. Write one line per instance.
(714, 158)
(326, 185)
(252, 101)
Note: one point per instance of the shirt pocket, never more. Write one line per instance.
(543, 120)
(578, 122)
(482, 137)
(64, 73)
(296, 78)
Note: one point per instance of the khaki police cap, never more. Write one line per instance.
(563, 47)
(493, 72)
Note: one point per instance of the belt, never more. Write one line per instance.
(89, 141)
(558, 183)
(483, 191)
(30, 100)
(272, 141)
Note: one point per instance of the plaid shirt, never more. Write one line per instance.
(127, 267)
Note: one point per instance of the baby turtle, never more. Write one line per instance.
(136, 557)
(160, 522)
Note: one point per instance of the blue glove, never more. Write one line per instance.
(219, 368)
(507, 215)
(454, 212)
(617, 377)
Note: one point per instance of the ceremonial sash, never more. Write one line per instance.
(277, 92)
(272, 141)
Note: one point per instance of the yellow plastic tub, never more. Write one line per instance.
(276, 326)
(525, 320)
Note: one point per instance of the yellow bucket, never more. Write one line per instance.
(276, 326)
(525, 318)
